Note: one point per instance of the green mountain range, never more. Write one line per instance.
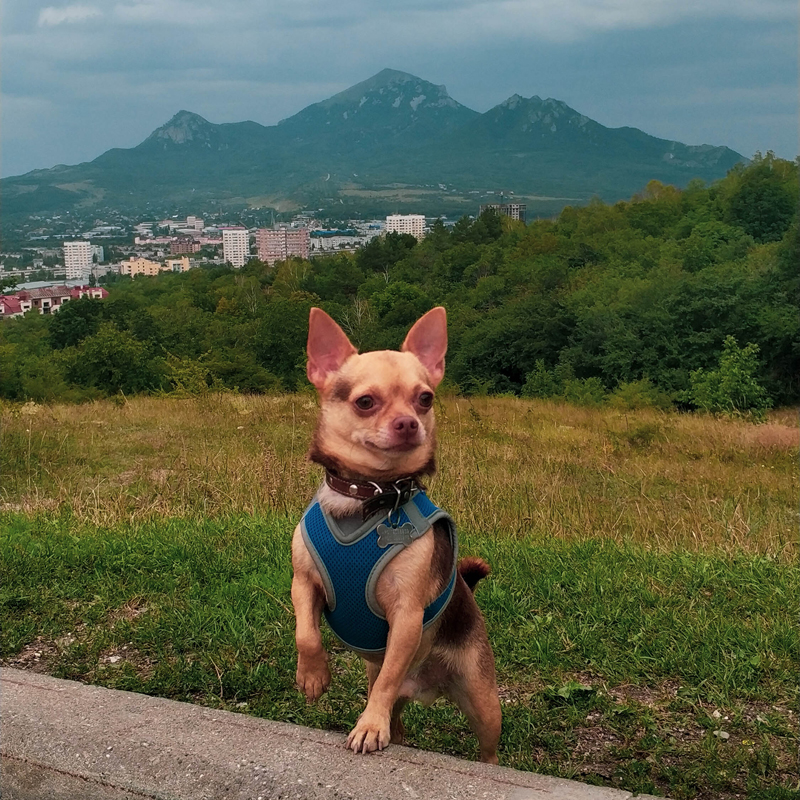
(392, 142)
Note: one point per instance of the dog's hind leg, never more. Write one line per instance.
(397, 731)
(373, 670)
(475, 693)
(481, 707)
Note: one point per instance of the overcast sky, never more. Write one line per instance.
(80, 78)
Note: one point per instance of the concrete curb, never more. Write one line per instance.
(63, 740)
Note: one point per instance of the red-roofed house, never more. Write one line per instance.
(95, 292)
(12, 306)
(46, 300)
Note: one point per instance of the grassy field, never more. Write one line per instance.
(642, 605)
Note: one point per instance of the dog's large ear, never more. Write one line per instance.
(427, 340)
(328, 347)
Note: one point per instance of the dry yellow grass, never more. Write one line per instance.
(507, 467)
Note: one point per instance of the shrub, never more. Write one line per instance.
(732, 388)
(642, 435)
(584, 391)
(187, 376)
(540, 382)
(562, 383)
(638, 394)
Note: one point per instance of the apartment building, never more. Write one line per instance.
(183, 245)
(406, 223)
(178, 264)
(514, 210)
(278, 245)
(139, 266)
(235, 246)
(77, 259)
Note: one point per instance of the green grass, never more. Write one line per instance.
(618, 665)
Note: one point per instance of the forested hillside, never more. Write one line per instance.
(623, 302)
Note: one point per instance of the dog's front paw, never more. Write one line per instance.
(313, 678)
(370, 733)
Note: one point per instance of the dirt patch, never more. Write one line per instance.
(595, 740)
(650, 696)
(134, 608)
(38, 656)
(117, 657)
(519, 692)
(605, 769)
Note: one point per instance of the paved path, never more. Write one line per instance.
(63, 740)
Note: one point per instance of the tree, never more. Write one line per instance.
(279, 338)
(400, 304)
(383, 252)
(74, 322)
(112, 360)
(765, 200)
(438, 237)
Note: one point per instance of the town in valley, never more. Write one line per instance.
(46, 274)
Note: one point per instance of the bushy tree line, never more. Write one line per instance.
(657, 301)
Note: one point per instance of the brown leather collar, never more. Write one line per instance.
(375, 496)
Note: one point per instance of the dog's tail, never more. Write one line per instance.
(472, 570)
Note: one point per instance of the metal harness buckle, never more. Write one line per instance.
(394, 500)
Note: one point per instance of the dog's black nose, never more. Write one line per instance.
(406, 425)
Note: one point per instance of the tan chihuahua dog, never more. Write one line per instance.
(375, 437)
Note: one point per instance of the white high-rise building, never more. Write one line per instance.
(236, 246)
(77, 259)
(406, 223)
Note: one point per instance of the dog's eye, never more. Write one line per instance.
(365, 402)
(425, 399)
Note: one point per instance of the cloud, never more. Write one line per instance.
(431, 20)
(162, 12)
(51, 16)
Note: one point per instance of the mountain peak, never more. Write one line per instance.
(184, 127)
(535, 109)
(389, 76)
(184, 116)
(388, 85)
(512, 102)
(388, 105)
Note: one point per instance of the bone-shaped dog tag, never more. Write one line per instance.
(403, 535)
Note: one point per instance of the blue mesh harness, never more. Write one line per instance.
(350, 555)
